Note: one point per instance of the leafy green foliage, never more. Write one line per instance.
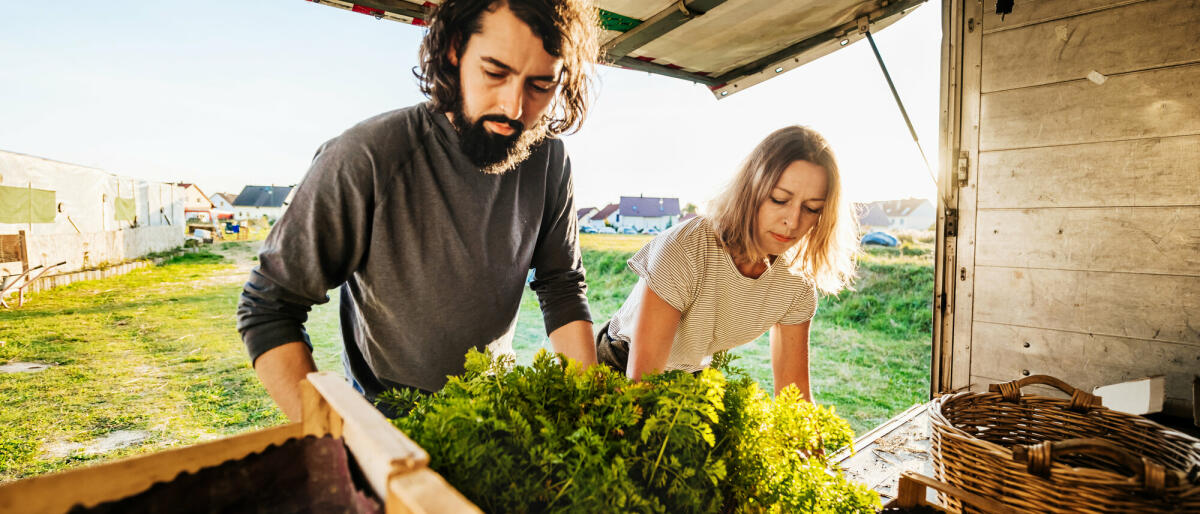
(550, 437)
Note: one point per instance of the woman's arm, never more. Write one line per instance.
(653, 334)
(789, 357)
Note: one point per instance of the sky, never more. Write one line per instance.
(227, 93)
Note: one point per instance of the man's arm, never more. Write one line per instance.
(313, 247)
(281, 369)
(559, 276)
(575, 340)
(789, 357)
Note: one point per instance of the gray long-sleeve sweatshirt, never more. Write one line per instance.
(430, 253)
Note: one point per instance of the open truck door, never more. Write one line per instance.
(1069, 238)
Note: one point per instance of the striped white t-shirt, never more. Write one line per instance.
(720, 307)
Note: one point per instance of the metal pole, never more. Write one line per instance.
(900, 104)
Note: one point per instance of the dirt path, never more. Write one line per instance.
(244, 256)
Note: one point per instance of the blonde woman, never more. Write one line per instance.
(780, 232)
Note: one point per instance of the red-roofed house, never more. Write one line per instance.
(608, 213)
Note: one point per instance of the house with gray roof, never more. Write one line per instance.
(646, 212)
(909, 213)
(256, 202)
(871, 215)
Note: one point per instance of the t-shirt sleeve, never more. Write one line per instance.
(804, 305)
(313, 247)
(557, 260)
(670, 265)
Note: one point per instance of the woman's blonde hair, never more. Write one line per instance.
(826, 253)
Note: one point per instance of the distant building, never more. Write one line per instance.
(194, 198)
(609, 213)
(910, 213)
(582, 215)
(223, 205)
(256, 202)
(222, 201)
(871, 215)
(907, 214)
(646, 212)
(687, 216)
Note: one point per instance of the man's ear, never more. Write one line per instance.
(452, 52)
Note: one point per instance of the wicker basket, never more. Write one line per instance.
(1041, 454)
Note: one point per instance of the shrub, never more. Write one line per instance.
(551, 437)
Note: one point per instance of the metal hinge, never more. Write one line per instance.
(964, 166)
(951, 222)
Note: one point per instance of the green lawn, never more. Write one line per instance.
(154, 353)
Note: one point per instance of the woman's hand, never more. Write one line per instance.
(789, 357)
(653, 334)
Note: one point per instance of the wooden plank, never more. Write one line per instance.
(912, 494)
(968, 198)
(314, 410)
(946, 256)
(1155, 103)
(1144, 172)
(115, 480)
(881, 455)
(426, 492)
(1127, 239)
(1158, 307)
(1081, 359)
(23, 250)
(381, 449)
(1029, 12)
(1109, 42)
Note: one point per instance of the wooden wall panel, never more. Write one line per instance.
(1146, 172)
(1067, 49)
(1125, 239)
(1158, 307)
(1029, 12)
(1082, 360)
(1156, 103)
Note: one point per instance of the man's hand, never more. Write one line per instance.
(575, 340)
(282, 368)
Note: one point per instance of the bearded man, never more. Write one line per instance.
(428, 218)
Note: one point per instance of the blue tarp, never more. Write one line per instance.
(880, 238)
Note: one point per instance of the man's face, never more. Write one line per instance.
(508, 82)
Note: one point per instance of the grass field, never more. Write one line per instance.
(151, 359)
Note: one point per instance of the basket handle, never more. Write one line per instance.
(1081, 401)
(1152, 476)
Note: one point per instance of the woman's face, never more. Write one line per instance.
(792, 207)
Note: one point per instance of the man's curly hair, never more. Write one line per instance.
(569, 30)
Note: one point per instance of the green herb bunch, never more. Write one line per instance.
(551, 437)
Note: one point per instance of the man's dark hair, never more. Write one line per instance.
(568, 29)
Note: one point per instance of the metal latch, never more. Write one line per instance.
(963, 166)
(951, 222)
(864, 24)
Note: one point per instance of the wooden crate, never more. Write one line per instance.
(912, 496)
(395, 467)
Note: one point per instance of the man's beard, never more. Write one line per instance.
(496, 153)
